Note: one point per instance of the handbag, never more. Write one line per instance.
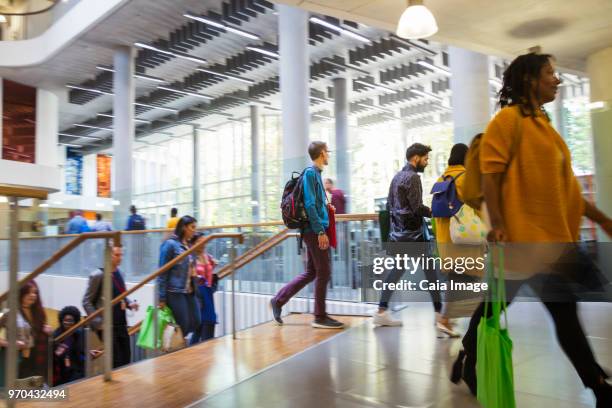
(331, 230)
(494, 371)
(172, 338)
(146, 335)
(466, 227)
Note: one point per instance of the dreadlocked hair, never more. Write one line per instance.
(516, 81)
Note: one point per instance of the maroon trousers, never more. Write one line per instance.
(318, 268)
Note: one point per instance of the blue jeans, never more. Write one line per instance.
(186, 311)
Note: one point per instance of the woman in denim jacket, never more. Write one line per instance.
(176, 287)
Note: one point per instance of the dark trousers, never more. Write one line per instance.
(396, 274)
(562, 307)
(318, 269)
(186, 311)
(122, 354)
(207, 331)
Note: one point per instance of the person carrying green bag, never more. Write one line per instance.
(146, 336)
(535, 207)
(494, 371)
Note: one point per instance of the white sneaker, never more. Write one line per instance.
(384, 319)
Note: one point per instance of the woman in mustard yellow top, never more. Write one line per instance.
(533, 197)
(445, 246)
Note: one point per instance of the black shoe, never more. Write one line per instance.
(327, 323)
(276, 311)
(603, 395)
(464, 369)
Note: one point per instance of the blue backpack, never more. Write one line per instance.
(445, 203)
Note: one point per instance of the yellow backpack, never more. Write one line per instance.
(472, 186)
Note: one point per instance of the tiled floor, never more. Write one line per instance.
(408, 366)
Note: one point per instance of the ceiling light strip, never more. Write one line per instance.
(228, 76)
(79, 136)
(177, 54)
(340, 30)
(223, 26)
(197, 95)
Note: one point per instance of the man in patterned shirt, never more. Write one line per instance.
(406, 211)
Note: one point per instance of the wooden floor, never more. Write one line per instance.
(183, 377)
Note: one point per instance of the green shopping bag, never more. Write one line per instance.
(146, 336)
(384, 223)
(494, 373)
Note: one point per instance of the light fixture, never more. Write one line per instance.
(177, 54)
(228, 76)
(44, 205)
(92, 127)
(83, 88)
(376, 86)
(416, 21)
(144, 105)
(79, 136)
(409, 43)
(263, 51)
(106, 115)
(218, 24)
(378, 108)
(316, 98)
(424, 93)
(139, 76)
(596, 105)
(69, 145)
(116, 203)
(197, 95)
(433, 67)
(4, 200)
(340, 30)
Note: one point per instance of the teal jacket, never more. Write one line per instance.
(315, 201)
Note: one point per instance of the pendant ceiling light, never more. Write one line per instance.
(416, 21)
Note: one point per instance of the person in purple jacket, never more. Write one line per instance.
(338, 199)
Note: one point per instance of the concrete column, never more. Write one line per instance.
(47, 127)
(294, 73)
(123, 134)
(90, 175)
(255, 167)
(560, 113)
(599, 66)
(196, 175)
(341, 114)
(470, 93)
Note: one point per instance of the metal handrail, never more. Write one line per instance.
(116, 235)
(201, 242)
(339, 218)
(250, 257)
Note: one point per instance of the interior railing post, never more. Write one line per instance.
(13, 301)
(362, 246)
(87, 332)
(50, 361)
(107, 325)
(232, 256)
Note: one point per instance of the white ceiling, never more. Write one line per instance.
(571, 30)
